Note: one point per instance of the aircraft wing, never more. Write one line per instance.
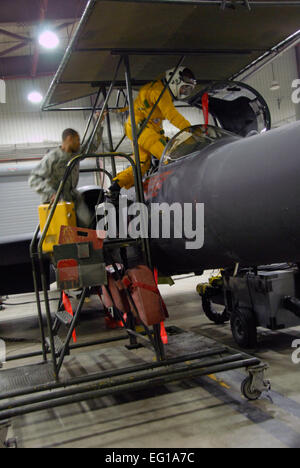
(218, 43)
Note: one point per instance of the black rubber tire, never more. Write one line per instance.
(212, 314)
(247, 392)
(243, 327)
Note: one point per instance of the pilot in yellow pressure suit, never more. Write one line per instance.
(152, 140)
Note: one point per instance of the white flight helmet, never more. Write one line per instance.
(183, 82)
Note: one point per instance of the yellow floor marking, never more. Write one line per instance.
(219, 381)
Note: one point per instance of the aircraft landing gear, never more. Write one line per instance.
(255, 384)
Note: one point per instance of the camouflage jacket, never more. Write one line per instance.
(46, 177)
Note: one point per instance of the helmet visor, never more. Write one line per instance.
(188, 80)
(186, 90)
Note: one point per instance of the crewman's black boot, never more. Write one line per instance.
(113, 192)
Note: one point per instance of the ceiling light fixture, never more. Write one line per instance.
(274, 85)
(2, 92)
(35, 97)
(48, 39)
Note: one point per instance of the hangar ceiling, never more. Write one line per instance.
(20, 24)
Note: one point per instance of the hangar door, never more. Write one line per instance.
(18, 202)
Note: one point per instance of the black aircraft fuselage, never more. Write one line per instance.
(251, 194)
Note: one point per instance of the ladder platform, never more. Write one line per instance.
(64, 317)
(58, 344)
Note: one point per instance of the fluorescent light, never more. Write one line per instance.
(35, 97)
(49, 40)
(274, 86)
(2, 92)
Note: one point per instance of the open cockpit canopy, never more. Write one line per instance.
(236, 107)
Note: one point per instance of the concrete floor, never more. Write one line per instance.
(203, 412)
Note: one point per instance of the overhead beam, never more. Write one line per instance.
(20, 11)
(64, 25)
(19, 66)
(35, 60)
(13, 49)
(119, 83)
(159, 52)
(15, 36)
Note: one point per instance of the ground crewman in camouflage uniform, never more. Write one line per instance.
(46, 177)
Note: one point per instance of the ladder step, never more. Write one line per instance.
(58, 344)
(64, 317)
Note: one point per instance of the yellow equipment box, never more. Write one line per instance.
(64, 215)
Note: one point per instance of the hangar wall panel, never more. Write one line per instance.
(280, 102)
(18, 203)
(22, 122)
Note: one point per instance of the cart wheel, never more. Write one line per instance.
(248, 392)
(212, 314)
(243, 327)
